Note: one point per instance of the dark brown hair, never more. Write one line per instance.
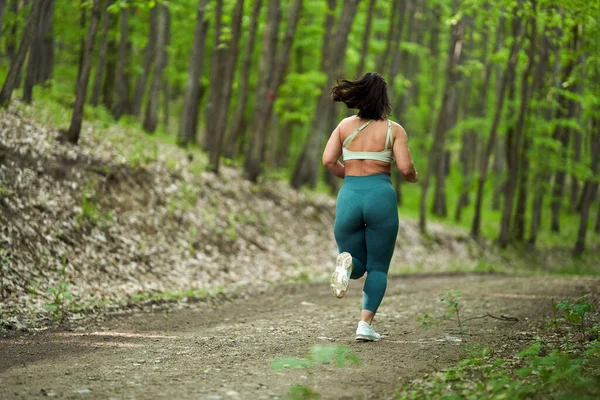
(368, 94)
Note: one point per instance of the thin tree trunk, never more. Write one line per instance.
(82, 22)
(123, 102)
(2, 6)
(513, 153)
(17, 62)
(33, 61)
(102, 56)
(230, 60)
(506, 77)
(216, 80)
(271, 75)
(446, 119)
(47, 53)
(77, 116)
(151, 114)
(165, 82)
(111, 67)
(396, 53)
(563, 135)
(149, 58)
(392, 27)
(308, 166)
(11, 40)
(590, 189)
(364, 49)
(187, 132)
(238, 115)
(597, 227)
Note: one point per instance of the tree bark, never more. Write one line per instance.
(82, 22)
(108, 87)
(506, 77)
(47, 53)
(187, 131)
(123, 102)
(563, 135)
(447, 119)
(11, 40)
(396, 53)
(269, 85)
(149, 58)
(160, 52)
(230, 60)
(77, 116)
(514, 147)
(2, 6)
(590, 189)
(392, 28)
(216, 80)
(33, 61)
(165, 82)
(102, 56)
(308, 166)
(364, 49)
(17, 61)
(238, 115)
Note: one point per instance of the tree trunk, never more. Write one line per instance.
(2, 6)
(77, 116)
(111, 68)
(513, 148)
(563, 135)
(506, 77)
(230, 59)
(11, 40)
(17, 62)
(597, 227)
(82, 22)
(538, 77)
(446, 119)
(149, 58)
(216, 80)
(308, 166)
(160, 51)
(238, 115)
(47, 53)
(364, 49)
(165, 82)
(574, 198)
(271, 75)
(102, 56)
(392, 27)
(590, 189)
(187, 131)
(396, 53)
(33, 61)
(123, 103)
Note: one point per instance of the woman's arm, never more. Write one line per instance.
(332, 153)
(403, 157)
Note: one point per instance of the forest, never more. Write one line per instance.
(500, 99)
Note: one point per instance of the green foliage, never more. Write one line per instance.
(61, 297)
(340, 356)
(574, 311)
(541, 372)
(452, 303)
(302, 392)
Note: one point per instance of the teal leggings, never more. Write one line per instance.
(366, 226)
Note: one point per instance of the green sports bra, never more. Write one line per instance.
(384, 155)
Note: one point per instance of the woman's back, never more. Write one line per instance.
(371, 139)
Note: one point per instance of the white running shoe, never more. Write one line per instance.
(341, 276)
(365, 332)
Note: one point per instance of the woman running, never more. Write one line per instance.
(366, 222)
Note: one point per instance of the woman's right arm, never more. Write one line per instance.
(403, 157)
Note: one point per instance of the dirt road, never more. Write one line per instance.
(225, 352)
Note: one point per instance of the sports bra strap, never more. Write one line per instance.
(351, 137)
(388, 138)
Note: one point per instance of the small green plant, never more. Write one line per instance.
(453, 307)
(340, 356)
(60, 295)
(575, 311)
(425, 320)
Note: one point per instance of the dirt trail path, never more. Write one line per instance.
(225, 352)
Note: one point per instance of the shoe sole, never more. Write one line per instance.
(339, 278)
(365, 338)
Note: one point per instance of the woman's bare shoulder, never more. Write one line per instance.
(398, 130)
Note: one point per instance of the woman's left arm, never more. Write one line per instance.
(332, 153)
